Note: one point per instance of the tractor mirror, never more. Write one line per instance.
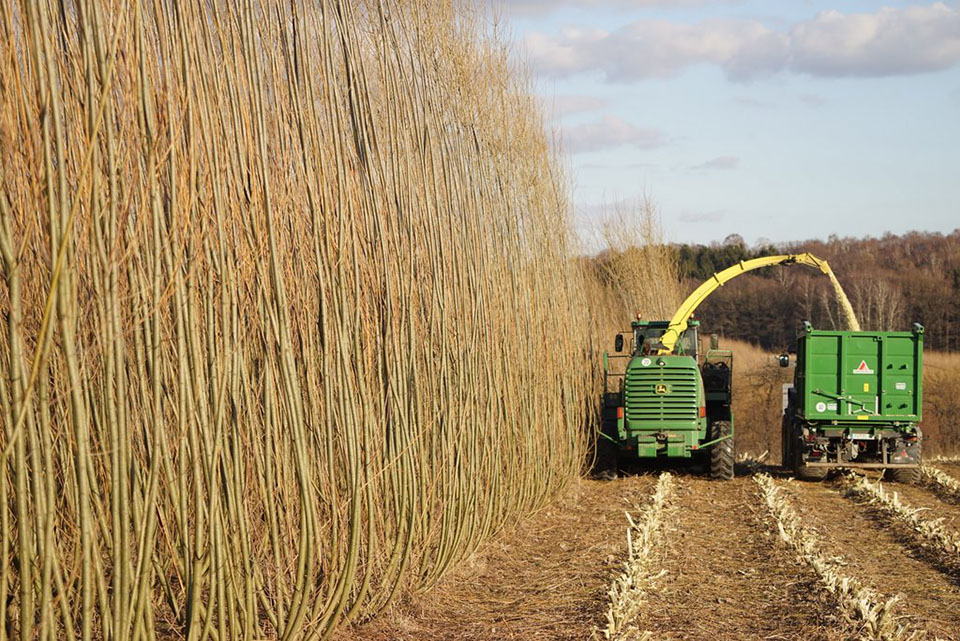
(618, 343)
(784, 360)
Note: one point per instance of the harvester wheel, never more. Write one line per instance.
(721, 454)
(905, 475)
(605, 466)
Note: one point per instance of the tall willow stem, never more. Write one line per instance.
(291, 321)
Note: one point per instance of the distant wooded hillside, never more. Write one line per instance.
(891, 281)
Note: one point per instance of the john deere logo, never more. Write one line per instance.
(661, 389)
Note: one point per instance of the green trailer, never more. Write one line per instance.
(674, 406)
(856, 402)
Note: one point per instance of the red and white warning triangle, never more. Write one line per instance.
(863, 369)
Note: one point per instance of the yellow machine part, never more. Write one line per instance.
(678, 324)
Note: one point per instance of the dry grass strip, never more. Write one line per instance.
(864, 607)
(629, 588)
(929, 532)
(941, 482)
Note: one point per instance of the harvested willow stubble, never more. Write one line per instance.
(940, 482)
(638, 575)
(863, 606)
(930, 533)
(290, 321)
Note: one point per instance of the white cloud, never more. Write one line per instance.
(607, 132)
(807, 99)
(569, 53)
(604, 209)
(656, 48)
(748, 101)
(720, 162)
(663, 48)
(887, 42)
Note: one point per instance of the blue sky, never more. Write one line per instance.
(773, 120)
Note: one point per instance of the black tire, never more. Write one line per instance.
(805, 473)
(905, 475)
(721, 454)
(794, 450)
(605, 466)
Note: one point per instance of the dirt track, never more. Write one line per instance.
(882, 555)
(544, 579)
(727, 575)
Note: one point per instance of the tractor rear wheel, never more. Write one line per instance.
(722, 453)
(905, 475)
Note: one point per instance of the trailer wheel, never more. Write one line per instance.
(794, 451)
(721, 454)
(905, 475)
(805, 473)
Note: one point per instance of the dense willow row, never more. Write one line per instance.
(289, 318)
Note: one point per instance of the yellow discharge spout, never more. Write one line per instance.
(678, 324)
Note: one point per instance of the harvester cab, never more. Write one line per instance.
(651, 334)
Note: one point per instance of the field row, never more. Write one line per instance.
(851, 558)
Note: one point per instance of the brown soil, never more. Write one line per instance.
(728, 575)
(544, 579)
(880, 554)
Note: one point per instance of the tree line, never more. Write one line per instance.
(891, 281)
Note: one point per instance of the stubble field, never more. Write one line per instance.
(723, 569)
